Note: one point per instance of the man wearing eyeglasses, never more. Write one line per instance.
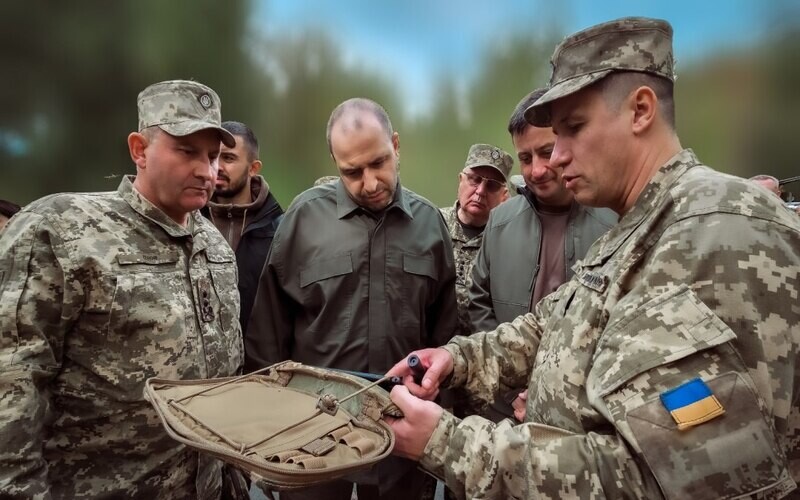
(481, 187)
(531, 242)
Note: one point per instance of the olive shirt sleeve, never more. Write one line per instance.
(690, 337)
(39, 300)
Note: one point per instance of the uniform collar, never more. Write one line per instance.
(651, 197)
(143, 207)
(345, 205)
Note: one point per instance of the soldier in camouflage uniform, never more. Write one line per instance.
(667, 366)
(481, 187)
(100, 291)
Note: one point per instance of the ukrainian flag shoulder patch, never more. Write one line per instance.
(691, 404)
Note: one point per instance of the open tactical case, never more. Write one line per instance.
(288, 425)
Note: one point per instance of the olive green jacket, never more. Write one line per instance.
(343, 288)
(507, 265)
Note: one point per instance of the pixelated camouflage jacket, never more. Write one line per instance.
(700, 279)
(98, 292)
(464, 251)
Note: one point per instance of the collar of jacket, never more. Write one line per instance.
(531, 198)
(455, 227)
(143, 207)
(345, 205)
(259, 189)
(650, 198)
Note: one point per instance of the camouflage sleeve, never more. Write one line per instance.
(730, 328)
(37, 305)
(485, 362)
(480, 459)
(480, 309)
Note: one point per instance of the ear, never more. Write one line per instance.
(504, 196)
(396, 144)
(255, 168)
(645, 106)
(137, 145)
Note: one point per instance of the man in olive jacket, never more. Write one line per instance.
(360, 272)
(531, 241)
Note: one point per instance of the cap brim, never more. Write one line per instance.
(538, 113)
(190, 127)
(479, 164)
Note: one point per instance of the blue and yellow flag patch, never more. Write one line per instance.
(691, 404)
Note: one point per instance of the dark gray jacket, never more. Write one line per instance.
(506, 266)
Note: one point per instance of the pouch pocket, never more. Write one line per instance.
(418, 271)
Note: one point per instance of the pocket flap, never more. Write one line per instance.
(127, 259)
(666, 329)
(218, 257)
(326, 268)
(419, 264)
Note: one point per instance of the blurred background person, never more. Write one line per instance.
(481, 187)
(244, 210)
(531, 241)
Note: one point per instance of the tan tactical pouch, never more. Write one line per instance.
(289, 425)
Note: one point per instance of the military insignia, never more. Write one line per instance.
(595, 281)
(691, 404)
(204, 293)
(495, 154)
(205, 101)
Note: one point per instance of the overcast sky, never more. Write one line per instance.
(413, 41)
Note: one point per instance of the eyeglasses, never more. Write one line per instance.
(475, 180)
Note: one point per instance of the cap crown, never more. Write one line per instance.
(627, 44)
(178, 101)
(486, 155)
(631, 43)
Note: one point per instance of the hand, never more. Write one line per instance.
(413, 431)
(438, 365)
(519, 405)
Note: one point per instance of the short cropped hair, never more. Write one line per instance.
(358, 104)
(243, 131)
(764, 177)
(619, 84)
(517, 123)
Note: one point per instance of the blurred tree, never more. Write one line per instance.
(311, 81)
(73, 70)
(773, 129)
(478, 112)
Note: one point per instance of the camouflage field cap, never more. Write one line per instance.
(627, 44)
(182, 107)
(486, 155)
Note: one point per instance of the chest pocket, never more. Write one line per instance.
(224, 280)
(327, 293)
(418, 281)
(147, 290)
(145, 331)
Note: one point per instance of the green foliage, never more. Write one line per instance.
(72, 71)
